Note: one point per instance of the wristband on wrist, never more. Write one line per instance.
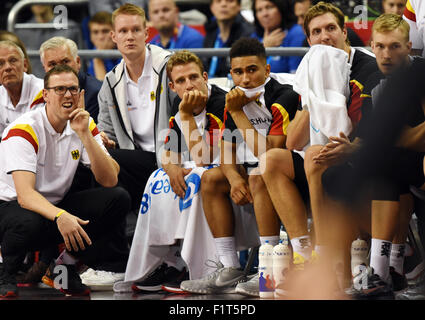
(58, 215)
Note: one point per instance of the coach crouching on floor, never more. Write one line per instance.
(40, 152)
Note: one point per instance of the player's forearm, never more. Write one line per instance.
(199, 150)
(256, 142)
(33, 201)
(413, 138)
(298, 131)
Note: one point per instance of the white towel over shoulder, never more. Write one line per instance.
(322, 80)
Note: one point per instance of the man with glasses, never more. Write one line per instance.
(41, 151)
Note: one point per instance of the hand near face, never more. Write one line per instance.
(193, 102)
(79, 118)
(236, 99)
(274, 38)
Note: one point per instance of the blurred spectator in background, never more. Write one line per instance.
(111, 5)
(276, 26)
(164, 17)
(394, 6)
(33, 38)
(300, 9)
(18, 89)
(59, 50)
(225, 27)
(100, 26)
(6, 35)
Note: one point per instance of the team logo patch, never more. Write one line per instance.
(75, 154)
(152, 96)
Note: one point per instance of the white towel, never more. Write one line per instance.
(283, 78)
(164, 218)
(322, 81)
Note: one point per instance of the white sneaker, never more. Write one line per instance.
(99, 280)
(250, 287)
(223, 280)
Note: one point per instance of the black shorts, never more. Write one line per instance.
(300, 179)
(405, 169)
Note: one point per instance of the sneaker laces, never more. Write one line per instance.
(213, 264)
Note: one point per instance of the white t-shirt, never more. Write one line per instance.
(414, 14)
(8, 112)
(31, 144)
(141, 105)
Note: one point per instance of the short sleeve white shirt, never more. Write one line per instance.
(31, 144)
(8, 112)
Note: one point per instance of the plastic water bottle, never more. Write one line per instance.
(284, 237)
(281, 261)
(265, 271)
(359, 253)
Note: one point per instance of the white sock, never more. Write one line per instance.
(380, 257)
(302, 246)
(397, 257)
(226, 250)
(273, 240)
(66, 258)
(174, 259)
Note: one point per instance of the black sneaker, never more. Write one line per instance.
(371, 287)
(70, 282)
(399, 281)
(161, 275)
(415, 291)
(173, 286)
(8, 287)
(33, 275)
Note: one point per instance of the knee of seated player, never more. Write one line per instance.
(310, 166)
(276, 161)
(214, 181)
(255, 181)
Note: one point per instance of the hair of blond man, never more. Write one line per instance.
(59, 42)
(12, 45)
(320, 9)
(129, 9)
(388, 22)
(183, 57)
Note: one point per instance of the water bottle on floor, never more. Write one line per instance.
(281, 261)
(265, 271)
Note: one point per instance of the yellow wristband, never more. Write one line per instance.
(59, 214)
